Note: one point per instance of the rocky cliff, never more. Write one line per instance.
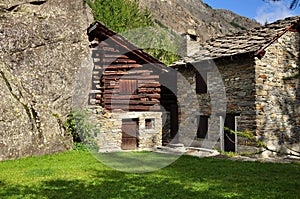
(196, 17)
(42, 46)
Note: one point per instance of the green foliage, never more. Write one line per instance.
(293, 77)
(247, 134)
(250, 136)
(120, 15)
(228, 153)
(126, 18)
(79, 125)
(237, 25)
(160, 24)
(167, 57)
(78, 146)
(157, 41)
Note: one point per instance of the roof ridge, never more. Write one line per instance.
(291, 19)
(122, 41)
(245, 41)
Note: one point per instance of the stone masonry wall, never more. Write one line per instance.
(278, 94)
(237, 75)
(187, 105)
(110, 136)
(42, 46)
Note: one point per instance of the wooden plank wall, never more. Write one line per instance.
(120, 82)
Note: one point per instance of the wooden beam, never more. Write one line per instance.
(109, 49)
(132, 108)
(131, 102)
(148, 90)
(151, 96)
(95, 91)
(142, 77)
(96, 81)
(114, 60)
(129, 72)
(149, 85)
(121, 66)
(115, 55)
(112, 87)
(98, 96)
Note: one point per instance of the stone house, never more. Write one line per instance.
(249, 81)
(125, 92)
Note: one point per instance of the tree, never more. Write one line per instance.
(120, 15)
(139, 27)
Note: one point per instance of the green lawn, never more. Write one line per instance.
(77, 174)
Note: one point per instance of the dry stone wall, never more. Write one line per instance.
(42, 46)
(278, 99)
(239, 81)
(188, 106)
(110, 131)
(236, 75)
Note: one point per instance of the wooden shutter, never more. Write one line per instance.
(128, 87)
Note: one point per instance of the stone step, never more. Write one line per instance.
(176, 145)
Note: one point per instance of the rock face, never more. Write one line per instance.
(195, 17)
(42, 46)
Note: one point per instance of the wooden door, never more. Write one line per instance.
(229, 138)
(129, 134)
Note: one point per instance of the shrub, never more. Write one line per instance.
(80, 126)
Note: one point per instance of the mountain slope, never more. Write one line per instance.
(196, 17)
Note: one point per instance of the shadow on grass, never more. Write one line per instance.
(109, 186)
(136, 162)
(188, 177)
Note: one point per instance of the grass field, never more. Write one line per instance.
(77, 174)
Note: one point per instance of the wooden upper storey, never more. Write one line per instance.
(124, 77)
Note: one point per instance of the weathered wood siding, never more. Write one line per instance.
(123, 81)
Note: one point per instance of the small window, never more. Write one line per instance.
(201, 86)
(202, 126)
(149, 123)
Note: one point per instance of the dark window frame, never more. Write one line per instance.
(202, 130)
(149, 123)
(201, 82)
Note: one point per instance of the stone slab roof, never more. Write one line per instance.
(246, 41)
